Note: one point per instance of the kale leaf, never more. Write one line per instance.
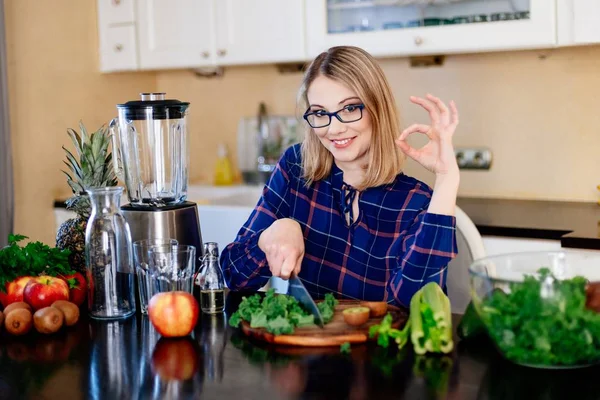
(279, 314)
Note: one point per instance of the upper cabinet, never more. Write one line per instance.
(578, 22)
(413, 27)
(117, 36)
(263, 31)
(175, 33)
(163, 34)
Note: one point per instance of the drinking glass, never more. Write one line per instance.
(140, 255)
(171, 268)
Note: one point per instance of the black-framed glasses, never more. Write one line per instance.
(322, 118)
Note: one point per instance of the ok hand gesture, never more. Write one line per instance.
(438, 154)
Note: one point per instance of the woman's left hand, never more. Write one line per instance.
(438, 154)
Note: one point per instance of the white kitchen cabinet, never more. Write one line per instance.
(117, 37)
(578, 22)
(114, 12)
(175, 33)
(198, 33)
(407, 27)
(259, 31)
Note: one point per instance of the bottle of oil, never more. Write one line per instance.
(224, 174)
(212, 286)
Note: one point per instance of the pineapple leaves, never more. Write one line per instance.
(76, 139)
(90, 166)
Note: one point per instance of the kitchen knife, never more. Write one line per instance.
(297, 290)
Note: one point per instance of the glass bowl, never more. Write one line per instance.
(536, 306)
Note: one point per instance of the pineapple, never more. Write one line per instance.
(92, 169)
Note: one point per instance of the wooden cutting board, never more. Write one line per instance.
(334, 333)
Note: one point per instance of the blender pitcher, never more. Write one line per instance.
(150, 152)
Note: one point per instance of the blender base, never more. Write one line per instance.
(180, 222)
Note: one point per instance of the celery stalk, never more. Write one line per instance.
(417, 334)
(402, 338)
(430, 309)
(447, 343)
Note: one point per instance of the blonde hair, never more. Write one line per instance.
(358, 70)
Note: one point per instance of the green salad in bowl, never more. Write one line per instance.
(541, 309)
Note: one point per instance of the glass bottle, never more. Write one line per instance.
(109, 257)
(208, 248)
(211, 249)
(212, 286)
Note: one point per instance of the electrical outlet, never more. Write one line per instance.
(473, 157)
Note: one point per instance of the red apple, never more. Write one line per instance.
(173, 314)
(14, 291)
(44, 290)
(175, 359)
(77, 287)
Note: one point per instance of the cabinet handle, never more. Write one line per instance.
(205, 54)
(118, 47)
(418, 40)
(221, 52)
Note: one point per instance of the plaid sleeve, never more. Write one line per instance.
(244, 263)
(426, 250)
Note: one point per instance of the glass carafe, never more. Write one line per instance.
(109, 257)
(150, 150)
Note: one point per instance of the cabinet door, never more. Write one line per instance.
(118, 48)
(578, 22)
(411, 27)
(259, 31)
(175, 33)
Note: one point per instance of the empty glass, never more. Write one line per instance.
(140, 256)
(171, 268)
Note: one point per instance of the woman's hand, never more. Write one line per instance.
(438, 154)
(283, 245)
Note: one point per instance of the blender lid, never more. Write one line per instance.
(154, 106)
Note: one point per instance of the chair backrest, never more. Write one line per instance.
(470, 247)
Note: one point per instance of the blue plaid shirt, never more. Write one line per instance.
(392, 249)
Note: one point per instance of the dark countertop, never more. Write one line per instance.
(575, 224)
(128, 360)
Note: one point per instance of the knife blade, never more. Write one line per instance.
(297, 290)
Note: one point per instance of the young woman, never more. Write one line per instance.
(337, 211)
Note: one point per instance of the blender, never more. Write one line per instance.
(151, 156)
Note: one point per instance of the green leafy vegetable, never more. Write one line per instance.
(345, 348)
(327, 307)
(543, 321)
(35, 258)
(279, 314)
(429, 325)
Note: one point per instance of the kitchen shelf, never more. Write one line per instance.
(349, 5)
(362, 4)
